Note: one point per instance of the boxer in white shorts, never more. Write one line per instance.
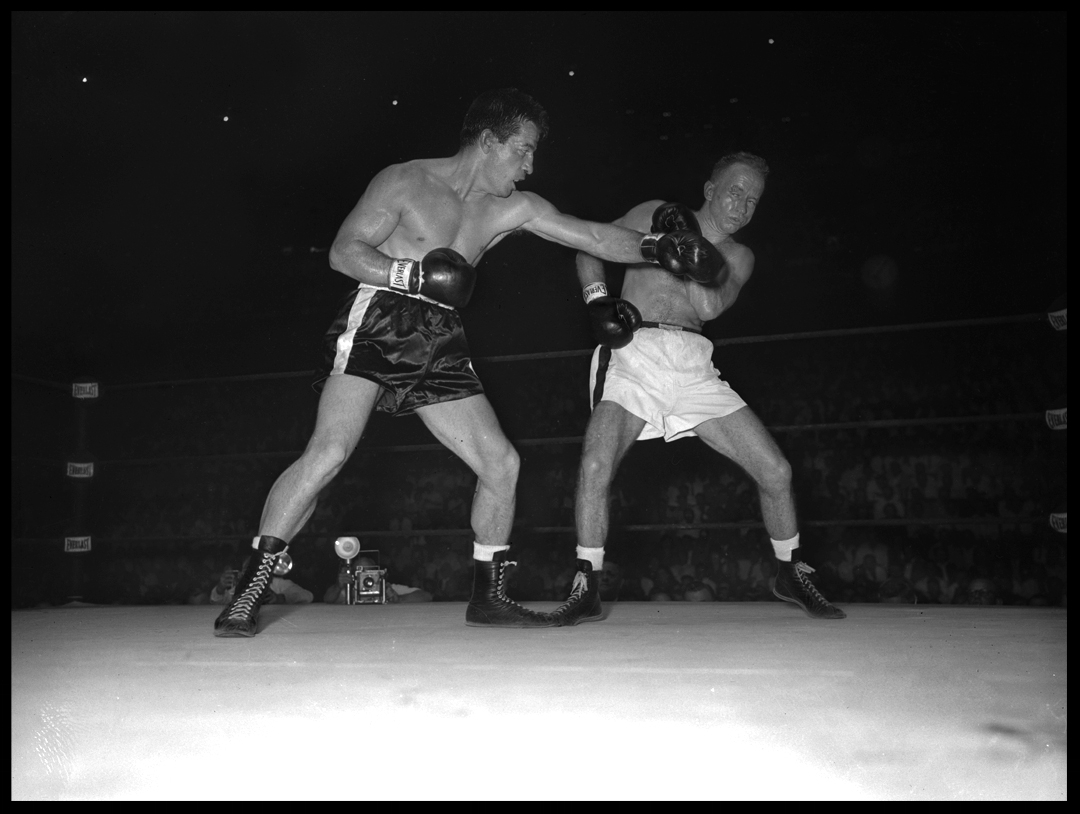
(653, 377)
(666, 377)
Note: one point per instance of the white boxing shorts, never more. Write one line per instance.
(665, 377)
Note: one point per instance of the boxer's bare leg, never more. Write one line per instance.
(612, 430)
(344, 407)
(742, 437)
(469, 428)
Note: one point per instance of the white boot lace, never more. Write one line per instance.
(242, 606)
(577, 591)
(801, 570)
(500, 583)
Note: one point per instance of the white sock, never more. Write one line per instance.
(486, 553)
(594, 556)
(783, 548)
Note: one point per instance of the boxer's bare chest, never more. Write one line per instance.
(659, 296)
(662, 297)
(436, 217)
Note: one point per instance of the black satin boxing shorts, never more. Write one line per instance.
(414, 349)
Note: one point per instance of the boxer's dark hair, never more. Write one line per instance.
(503, 112)
(755, 162)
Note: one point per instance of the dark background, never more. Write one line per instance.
(152, 239)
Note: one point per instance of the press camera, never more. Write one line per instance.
(367, 581)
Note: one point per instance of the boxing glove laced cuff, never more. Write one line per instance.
(648, 247)
(592, 291)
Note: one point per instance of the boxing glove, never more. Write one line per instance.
(614, 321)
(687, 255)
(674, 217)
(666, 219)
(443, 275)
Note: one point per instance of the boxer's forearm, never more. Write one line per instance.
(361, 262)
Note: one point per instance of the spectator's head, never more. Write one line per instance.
(982, 591)
(659, 596)
(896, 589)
(610, 582)
(698, 592)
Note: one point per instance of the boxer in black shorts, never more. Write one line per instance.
(412, 243)
(376, 337)
(653, 377)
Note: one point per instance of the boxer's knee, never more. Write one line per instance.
(595, 470)
(775, 477)
(499, 468)
(324, 460)
(510, 465)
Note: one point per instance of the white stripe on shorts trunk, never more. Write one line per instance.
(345, 339)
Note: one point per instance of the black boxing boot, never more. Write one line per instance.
(583, 604)
(793, 585)
(490, 606)
(241, 616)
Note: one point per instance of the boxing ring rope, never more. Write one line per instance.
(523, 357)
(1022, 418)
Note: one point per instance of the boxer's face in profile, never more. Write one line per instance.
(511, 161)
(732, 197)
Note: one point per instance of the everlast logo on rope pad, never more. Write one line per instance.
(1059, 521)
(84, 390)
(76, 544)
(80, 470)
(1058, 419)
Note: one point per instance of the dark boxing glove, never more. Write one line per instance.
(674, 217)
(443, 275)
(614, 321)
(668, 218)
(687, 255)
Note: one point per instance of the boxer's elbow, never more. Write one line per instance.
(708, 302)
(722, 277)
(348, 257)
(338, 256)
